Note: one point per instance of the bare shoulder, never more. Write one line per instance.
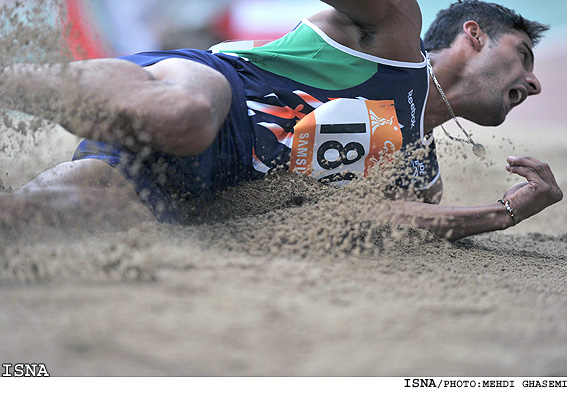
(376, 27)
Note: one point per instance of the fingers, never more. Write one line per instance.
(539, 176)
(532, 169)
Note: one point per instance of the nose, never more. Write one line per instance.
(534, 85)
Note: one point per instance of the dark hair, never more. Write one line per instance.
(493, 19)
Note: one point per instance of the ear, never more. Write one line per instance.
(474, 34)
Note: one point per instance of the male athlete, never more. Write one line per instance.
(166, 131)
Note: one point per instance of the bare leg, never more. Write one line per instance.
(84, 194)
(175, 106)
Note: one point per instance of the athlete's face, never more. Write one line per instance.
(501, 78)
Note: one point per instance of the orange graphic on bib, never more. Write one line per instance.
(302, 151)
(386, 136)
(344, 137)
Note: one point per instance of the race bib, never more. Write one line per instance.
(344, 138)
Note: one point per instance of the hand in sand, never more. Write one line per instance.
(540, 190)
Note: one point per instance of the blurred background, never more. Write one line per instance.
(126, 26)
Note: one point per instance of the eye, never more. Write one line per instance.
(524, 56)
(525, 59)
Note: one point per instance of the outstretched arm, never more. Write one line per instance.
(453, 223)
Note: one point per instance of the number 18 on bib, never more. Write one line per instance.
(344, 138)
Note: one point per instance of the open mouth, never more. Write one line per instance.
(516, 97)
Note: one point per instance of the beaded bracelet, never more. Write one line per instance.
(510, 210)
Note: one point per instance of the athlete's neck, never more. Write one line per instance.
(436, 112)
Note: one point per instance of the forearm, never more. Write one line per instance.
(451, 223)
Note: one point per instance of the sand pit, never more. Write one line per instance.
(251, 296)
(291, 284)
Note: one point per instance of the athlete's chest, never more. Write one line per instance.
(272, 98)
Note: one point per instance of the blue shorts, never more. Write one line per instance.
(177, 188)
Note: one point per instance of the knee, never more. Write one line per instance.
(212, 111)
(203, 116)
